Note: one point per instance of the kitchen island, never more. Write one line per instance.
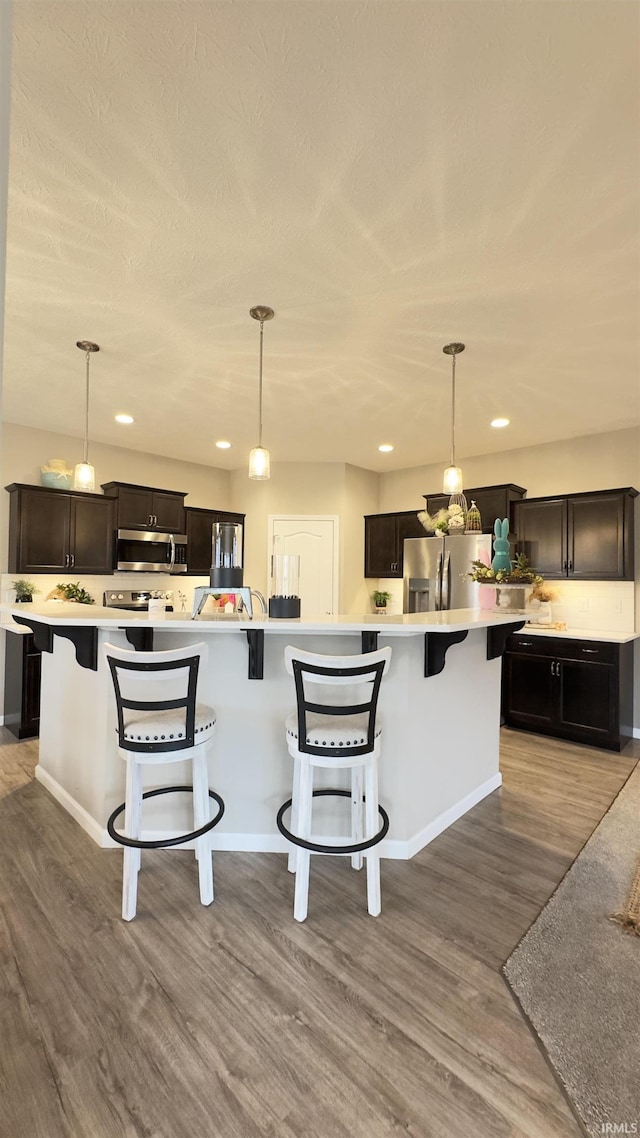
(439, 704)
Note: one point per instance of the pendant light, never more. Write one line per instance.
(84, 476)
(259, 461)
(452, 479)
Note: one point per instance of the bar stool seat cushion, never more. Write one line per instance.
(162, 726)
(333, 731)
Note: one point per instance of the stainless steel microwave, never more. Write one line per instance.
(148, 552)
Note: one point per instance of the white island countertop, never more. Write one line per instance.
(397, 624)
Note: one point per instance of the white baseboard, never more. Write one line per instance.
(1, 720)
(636, 733)
(81, 816)
(446, 819)
(270, 843)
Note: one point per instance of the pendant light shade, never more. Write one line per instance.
(259, 461)
(452, 483)
(84, 476)
(259, 464)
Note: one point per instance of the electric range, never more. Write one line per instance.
(134, 600)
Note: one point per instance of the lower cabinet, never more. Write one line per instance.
(575, 689)
(22, 685)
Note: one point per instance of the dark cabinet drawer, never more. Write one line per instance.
(593, 651)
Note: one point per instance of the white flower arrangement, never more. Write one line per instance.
(450, 520)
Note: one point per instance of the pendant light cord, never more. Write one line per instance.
(260, 389)
(453, 410)
(86, 419)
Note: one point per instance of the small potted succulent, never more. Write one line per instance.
(25, 590)
(380, 599)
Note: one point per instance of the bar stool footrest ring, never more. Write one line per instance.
(318, 847)
(165, 842)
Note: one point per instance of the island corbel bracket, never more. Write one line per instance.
(140, 638)
(497, 636)
(255, 638)
(85, 642)
(42, 633)
(435, 649)
(369, 641)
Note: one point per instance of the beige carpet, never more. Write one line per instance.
(576, 974)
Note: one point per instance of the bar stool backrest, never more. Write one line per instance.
(156, 681)
(359, 677)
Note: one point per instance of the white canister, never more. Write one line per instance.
(157, 605)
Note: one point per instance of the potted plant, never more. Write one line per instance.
(25, 590)
(74, 592)
(380, 599)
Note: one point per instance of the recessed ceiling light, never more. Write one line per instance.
(500, 422)
(385, 447)
(124, 418)
(222, 444)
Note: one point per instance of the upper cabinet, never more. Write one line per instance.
(144, 507)
(51, 531)
(579, 536)
(198, 530)
(492, 501)
(384, 535)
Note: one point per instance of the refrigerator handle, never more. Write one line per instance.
(446, 574)
(438, 597)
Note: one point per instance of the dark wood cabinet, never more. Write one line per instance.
(581, 536)
(22, 685)
(51, 531)
(574, 689)
(384, 535)
(492, 501)
(145, 507)
(198, 530)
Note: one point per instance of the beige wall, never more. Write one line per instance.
(593, 462)
(24, 450)
(330, 488)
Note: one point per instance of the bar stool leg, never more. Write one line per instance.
(131, 862)
(305, 806)
(292, 860)
(357, 811)
(201, 815)
(374, 903)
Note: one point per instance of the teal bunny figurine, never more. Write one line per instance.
(501, 560)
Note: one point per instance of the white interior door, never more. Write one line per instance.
(315, 539)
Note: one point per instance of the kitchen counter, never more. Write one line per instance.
(605, 637)
(71, 614)
(439, 704)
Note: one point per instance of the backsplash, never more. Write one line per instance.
(96, 586)
(595, 605)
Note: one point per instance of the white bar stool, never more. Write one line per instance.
(159, 721)
(340, 735)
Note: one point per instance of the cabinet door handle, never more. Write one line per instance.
(591, 651)
(571, 566)
(564, 566)
(155, 519)
(554, 668)
(66, 560)
(72, 560)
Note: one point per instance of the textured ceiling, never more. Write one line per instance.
(387, 176)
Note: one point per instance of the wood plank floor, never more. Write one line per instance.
(235, 1022)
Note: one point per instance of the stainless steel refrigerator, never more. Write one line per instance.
(435, 571)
